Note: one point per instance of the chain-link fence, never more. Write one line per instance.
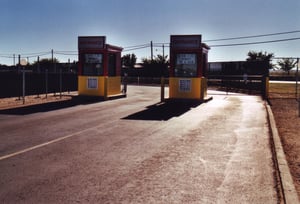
(19, 84)
(284, 78)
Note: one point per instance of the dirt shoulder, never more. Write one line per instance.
(16, 102)
(288, 123)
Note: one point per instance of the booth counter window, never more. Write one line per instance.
(93, 65)
(185, 65)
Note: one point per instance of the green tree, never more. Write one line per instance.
(159, 59)
(286, 64)
(46, 61)
(129, 60)
(46, 64)
(156, 67)
(261, 56)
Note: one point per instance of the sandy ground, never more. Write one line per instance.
(16, 102)
(288, 123)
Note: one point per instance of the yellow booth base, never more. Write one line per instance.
(99, 86)
(188, 88)
(267, 88)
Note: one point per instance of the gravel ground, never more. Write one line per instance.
(16, 102)
(288, 123)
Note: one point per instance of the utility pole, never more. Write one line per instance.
(52, 60)
(151, 45)
(297, 79)
(38, 64)
(163, 47)
(19, 63)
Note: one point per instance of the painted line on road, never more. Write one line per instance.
(45, 144)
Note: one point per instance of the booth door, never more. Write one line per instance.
(112, 66)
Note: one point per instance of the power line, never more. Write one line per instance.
(146, 45)
(6, 56)
(36, 55)
(253, 36)
(253, 43)
(136, 48)
(66, 52)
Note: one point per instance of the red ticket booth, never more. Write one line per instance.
(99, 72)
(188, 67)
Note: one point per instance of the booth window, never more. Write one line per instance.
(204, 64)
(112, 68)
(186, 65)
(93, 65)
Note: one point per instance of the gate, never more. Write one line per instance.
(250, 77)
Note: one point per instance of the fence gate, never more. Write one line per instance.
(250, 77)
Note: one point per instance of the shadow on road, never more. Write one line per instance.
(51, 106)
(164, 111)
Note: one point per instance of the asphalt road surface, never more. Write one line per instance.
(137, 150)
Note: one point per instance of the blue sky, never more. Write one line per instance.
(33, 26)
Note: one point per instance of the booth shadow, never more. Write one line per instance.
(51, 106)
(164, 111)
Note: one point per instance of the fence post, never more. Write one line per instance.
(162, 89)
(125, 83)
(23, 86)
(60, 83)
(297, 78)
(46, 76)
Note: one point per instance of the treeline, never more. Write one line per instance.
(42, 67)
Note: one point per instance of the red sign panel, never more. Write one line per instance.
(91, 42)
(185, 41)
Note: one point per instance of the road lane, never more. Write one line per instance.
(217, 152)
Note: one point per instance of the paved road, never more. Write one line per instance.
(135, 150)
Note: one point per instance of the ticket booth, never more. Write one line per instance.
(188, 67)
(99, 72)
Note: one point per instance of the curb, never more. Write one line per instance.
(289, 192)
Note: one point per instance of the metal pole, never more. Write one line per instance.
(23, 78)
(52, 57)
(151, 45)
(19, 69)
(38, 64)
(60, 83)
(46, 76)
(125, 83)
(297, 78)
(162, 90)
(298, 107)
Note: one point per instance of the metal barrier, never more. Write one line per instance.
(12, 84)
(242, 83)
